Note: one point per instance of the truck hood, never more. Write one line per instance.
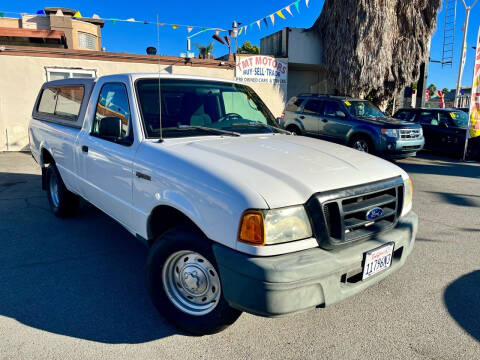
(387, 121)
(283, 169)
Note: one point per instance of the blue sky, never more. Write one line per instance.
(136, 38)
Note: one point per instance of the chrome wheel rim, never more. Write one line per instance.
(361, 145)
(191, 283)
(54, 191)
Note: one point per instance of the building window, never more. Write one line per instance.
(87, 41)
(59, 73)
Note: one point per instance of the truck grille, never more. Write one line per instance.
(340, 217)
(409, 134)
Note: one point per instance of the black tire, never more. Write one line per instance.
(294, 129)
(178, 239)
(64, 203)
(362, 143)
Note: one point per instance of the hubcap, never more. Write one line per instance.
(191, 282)
(54, 191)
(361, 145)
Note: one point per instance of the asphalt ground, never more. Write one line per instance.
(74, 288)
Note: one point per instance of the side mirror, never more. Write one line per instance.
(110, 127)
(340, 114)
(443, 124)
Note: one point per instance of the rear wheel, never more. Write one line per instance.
(294, 129)
(184, 282)
(62, 202)
(362, 143)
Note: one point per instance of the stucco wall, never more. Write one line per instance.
(22, 77)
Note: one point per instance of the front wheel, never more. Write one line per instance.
(363, 144)
(184, 282)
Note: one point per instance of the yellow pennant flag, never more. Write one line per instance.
(240, 31)
(175, 27)
(279, 13)
(77, 14)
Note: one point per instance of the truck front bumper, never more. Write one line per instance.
(285, 284)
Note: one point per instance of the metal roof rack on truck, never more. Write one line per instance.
(327, 95)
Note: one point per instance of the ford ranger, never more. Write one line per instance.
(239, 215)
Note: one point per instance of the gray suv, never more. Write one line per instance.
(353, 122)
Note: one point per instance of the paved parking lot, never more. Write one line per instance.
(75, 288)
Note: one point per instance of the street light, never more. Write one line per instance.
(234, 33)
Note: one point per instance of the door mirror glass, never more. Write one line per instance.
(110, 128)
(340, 114)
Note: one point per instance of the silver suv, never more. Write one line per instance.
(353, 122)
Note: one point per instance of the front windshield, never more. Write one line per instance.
(362, 108)
(195, 103)
(459, 118)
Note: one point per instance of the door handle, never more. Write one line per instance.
(143, 176)
(302, 117)
(85, 148)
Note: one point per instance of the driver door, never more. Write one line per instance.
(106, 162)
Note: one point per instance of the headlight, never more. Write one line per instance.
(421, 131)
(407, 196)
(390, 132)
(274, 226)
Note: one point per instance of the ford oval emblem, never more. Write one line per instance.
(374, 213)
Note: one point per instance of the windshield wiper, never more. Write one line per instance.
(266, 126)
(202, 128)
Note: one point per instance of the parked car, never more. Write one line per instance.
(353, 122)
(239, 215)
(444, 130)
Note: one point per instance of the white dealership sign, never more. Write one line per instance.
(261, 69)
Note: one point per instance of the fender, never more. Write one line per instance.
(41, 161)
(297, 123)
(363, 130)
(178, 205)
(45, 146)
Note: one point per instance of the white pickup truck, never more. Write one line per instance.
(239, 215)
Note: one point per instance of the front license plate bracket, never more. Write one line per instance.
(377, 260)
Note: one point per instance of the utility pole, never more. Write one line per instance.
(463, 55)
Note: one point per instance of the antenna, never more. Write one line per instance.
(160, 139)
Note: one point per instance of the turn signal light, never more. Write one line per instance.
(252, 229)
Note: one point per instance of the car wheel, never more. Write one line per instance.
(294, 129)
(184, 282)
(62, 202)
(363, 144)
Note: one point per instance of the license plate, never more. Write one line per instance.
(377, 260)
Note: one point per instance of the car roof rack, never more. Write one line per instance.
(327, 95)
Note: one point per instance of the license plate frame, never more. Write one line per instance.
(377, 260)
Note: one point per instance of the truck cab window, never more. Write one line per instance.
(112, 115)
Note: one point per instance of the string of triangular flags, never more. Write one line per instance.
(280, 13)
(78, 15)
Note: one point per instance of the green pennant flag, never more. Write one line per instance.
(114, 21)
(297, 6)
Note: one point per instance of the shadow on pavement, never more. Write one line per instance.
(440, 166)
(81, 277)
(457, 199)
(462, 299)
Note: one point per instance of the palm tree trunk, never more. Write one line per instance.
(376, 47)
